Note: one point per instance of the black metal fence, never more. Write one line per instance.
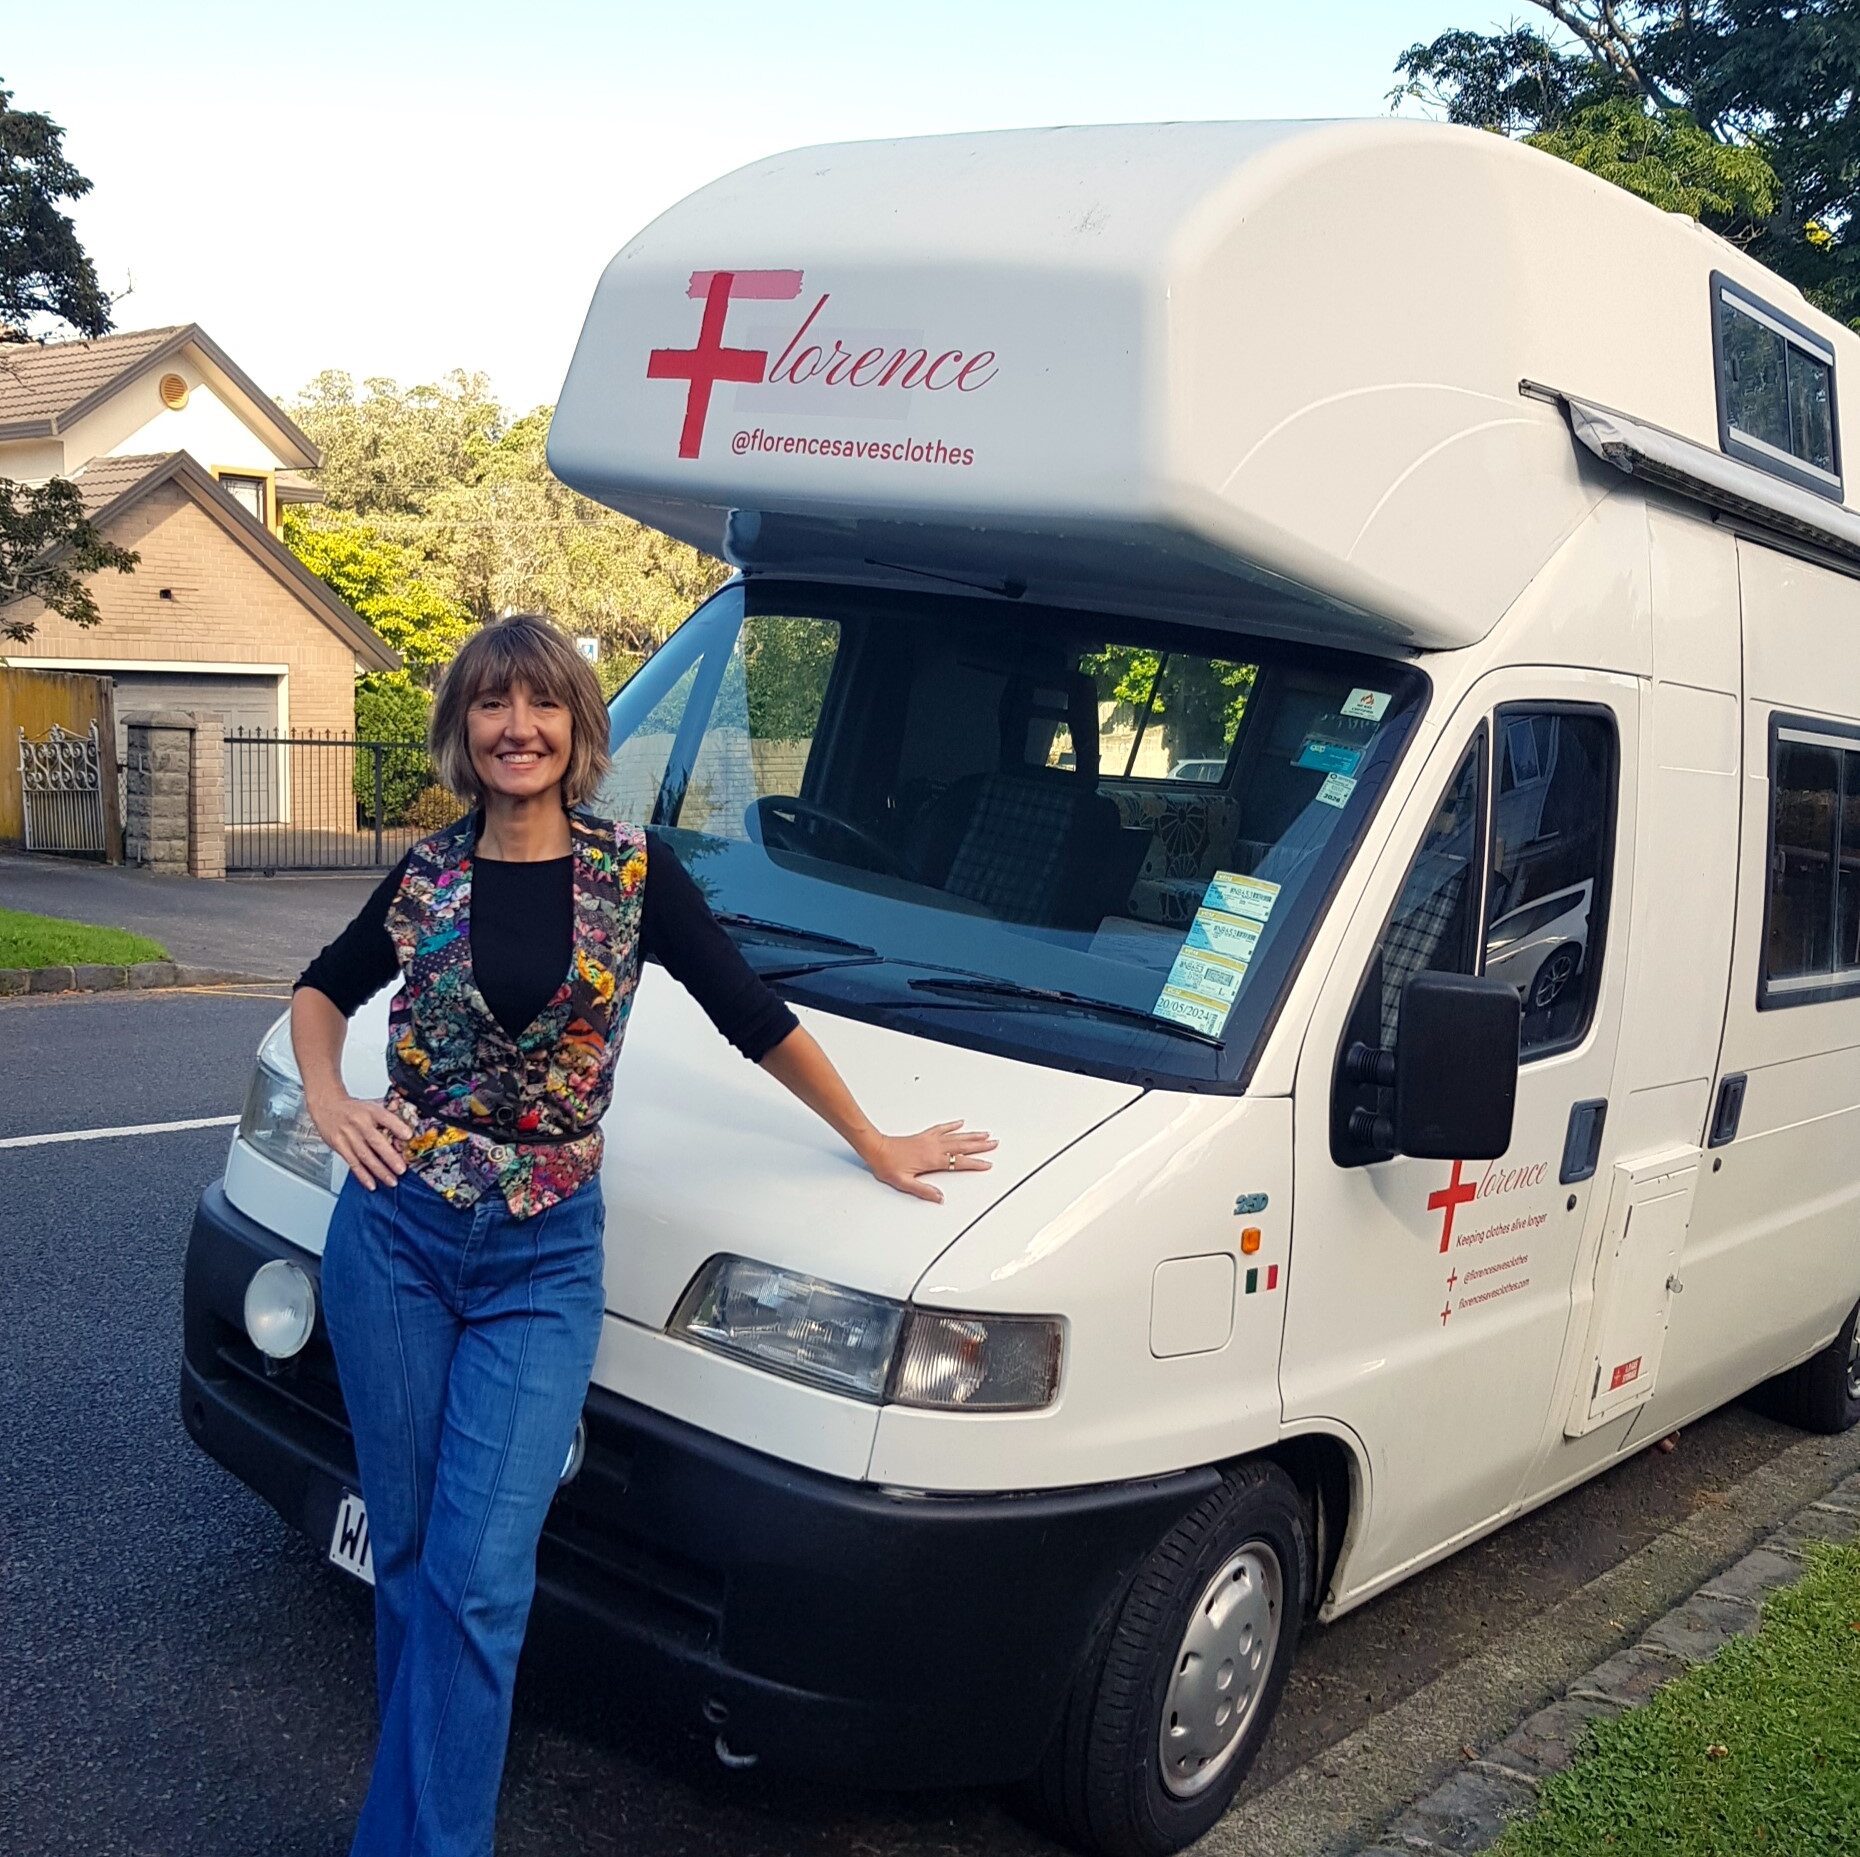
(328, 802)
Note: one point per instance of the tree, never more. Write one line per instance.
(1743, 112)
(440, 473)
(383, 582)
(516, 538)
(1199, 704)
(391, 707)
(389, 452)
(44, 270)
(48, 545)
(1668, 159)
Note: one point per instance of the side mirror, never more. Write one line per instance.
(1453, 1072)
(1456, 1067)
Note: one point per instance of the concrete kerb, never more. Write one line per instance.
(139, 976)
(1351, 1794)
(1471, 1810)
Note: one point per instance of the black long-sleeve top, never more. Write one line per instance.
(522, 928)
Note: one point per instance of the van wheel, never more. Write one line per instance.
(1823, 1394)
(1180, 1688)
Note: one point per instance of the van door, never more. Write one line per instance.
(1429, 1301)
(1772, 1259)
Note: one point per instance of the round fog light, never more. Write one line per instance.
(280, 1309)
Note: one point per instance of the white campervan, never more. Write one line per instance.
(1308, 677)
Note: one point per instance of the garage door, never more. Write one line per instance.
(247, 705)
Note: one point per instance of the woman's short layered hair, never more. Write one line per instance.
(530, 650)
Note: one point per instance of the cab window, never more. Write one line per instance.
(1542, 891)
(1431, 927)
(1552, 837)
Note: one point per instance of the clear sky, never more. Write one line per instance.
(398, 187)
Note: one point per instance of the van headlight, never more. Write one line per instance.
(870, 1347)
(275, 1121)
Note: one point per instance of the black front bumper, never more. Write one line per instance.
(829, 1626)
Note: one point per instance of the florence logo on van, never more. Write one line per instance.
(711, 360)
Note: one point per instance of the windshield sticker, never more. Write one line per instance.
(1200, 993)
(1235, 895)
(1366, 705)
(1329, 757)
(1212, 962)
(1206, 977)
(1336, 789)
(1214, 932)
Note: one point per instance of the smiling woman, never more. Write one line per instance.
(462, 1273)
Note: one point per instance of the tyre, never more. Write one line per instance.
(1182, 1684)
(1560, 967)
(1823, 1394)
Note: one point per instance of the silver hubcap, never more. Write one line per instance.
(1221, 1668)
(1853, 1365)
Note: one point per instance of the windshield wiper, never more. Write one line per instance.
(980, 986)
(806, 938)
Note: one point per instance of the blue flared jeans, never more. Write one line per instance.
(464, 1338)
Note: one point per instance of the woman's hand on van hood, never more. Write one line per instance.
(902, 1161)
(802, 1068)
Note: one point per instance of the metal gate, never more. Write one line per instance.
(61, 793)
(328, 802)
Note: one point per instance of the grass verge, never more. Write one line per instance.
(50, 941)
(1757, 1751)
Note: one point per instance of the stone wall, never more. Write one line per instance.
(174, 817)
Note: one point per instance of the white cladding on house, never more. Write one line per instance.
(1167, 366)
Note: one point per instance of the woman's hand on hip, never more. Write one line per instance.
(900, 1160)
(364, 1135)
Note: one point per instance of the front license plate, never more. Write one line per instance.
(348, 1546)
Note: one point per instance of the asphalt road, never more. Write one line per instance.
(183, 1676)
(246, 925)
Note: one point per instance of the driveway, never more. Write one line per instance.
(245, 925)
(186, 1677)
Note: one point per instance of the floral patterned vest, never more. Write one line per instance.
(490, 1113)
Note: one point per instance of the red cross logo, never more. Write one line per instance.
(1453, 1276)
(710, 361)
(1455, 1193)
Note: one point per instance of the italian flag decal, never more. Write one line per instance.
(1272, 1279)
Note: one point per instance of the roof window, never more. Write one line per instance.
(1776, 406)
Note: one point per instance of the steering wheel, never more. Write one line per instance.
(795, 821)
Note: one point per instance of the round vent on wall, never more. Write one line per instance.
(173, 392)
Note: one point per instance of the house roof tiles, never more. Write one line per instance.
(45, 388)
(102, 481)
(44, 381)
(110, 486)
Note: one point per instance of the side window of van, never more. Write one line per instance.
(631, 787)
(1811, 939)
(734, 726)
(759, 735)
(1552, 841)
(1431, 927)
(1542, 867)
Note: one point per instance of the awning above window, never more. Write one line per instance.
(1691, 470)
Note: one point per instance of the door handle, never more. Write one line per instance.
(1729, 1111)
(1582, 1145)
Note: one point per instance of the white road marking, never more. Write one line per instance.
(109, 1134)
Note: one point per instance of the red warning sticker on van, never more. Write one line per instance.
(1626, 1373)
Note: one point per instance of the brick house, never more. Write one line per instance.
(180, 456)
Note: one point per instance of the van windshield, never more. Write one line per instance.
(1082, 841)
